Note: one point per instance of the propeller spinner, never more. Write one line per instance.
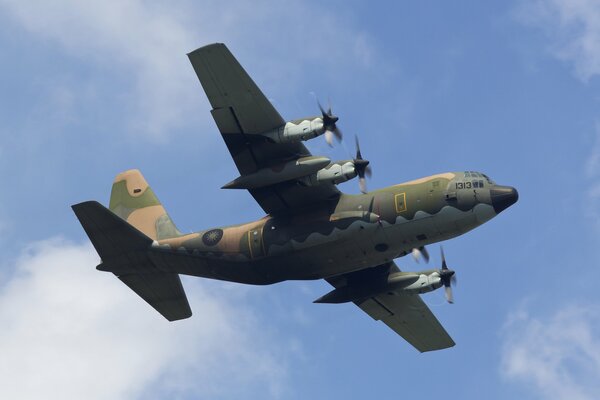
(329, 121)
(362, 168)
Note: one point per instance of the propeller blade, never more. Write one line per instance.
(358, 154)
(425, 253)
(338, 134)
(416, 254)
(329, 138)
(449, 295)
(362, 184)
(368, 171)
(329, 123)
(419, 253)
(448, 278)
(361, 166)
(444, 265)
(321, 108)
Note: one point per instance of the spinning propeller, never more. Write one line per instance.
(419, 253)
(329, 121)
(362, 168)
(448, 278)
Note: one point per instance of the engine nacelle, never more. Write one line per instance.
(294, 169)
(425, 283)
(411, 282)
(298, 130)
(337, 172)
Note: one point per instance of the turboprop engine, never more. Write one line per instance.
(396, 283)
(307, 128)
(342, 171)
(337, 172)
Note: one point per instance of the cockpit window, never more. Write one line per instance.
(491, 182)
(469, 183)
(472, 174)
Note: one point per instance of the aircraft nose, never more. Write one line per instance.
(503, 197)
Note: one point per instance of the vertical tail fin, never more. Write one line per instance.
(133, 200)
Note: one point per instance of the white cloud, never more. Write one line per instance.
(573, 27)
(132, 35)
(148, 40)
(558, 356)
(69, 331)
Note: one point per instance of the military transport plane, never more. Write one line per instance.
(311, 230)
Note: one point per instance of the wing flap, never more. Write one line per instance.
(235, 140)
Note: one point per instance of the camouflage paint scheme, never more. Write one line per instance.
(352, 233)
(311, 230)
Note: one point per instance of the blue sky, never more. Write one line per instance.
(506, 88)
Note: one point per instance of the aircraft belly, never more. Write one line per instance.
(324, 248)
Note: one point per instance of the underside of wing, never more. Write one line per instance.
(228, 86)
(163, 291)
(409, 316)
(406, 314)
(242, 113)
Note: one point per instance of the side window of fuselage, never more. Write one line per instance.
(400, 201)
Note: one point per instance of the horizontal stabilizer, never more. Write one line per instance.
(163, 291)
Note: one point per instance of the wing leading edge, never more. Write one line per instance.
(405, 314)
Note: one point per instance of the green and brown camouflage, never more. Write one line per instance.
(133, 200)
(359, 230)
(311, 230)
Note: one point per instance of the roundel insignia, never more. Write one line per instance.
(212, 237)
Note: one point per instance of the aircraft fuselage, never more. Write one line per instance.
(355, 232)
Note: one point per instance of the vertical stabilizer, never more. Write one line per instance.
(134, 201)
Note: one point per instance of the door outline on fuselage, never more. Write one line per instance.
(256, 245)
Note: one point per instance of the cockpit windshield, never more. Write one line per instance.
(478, 177)
(491, 182)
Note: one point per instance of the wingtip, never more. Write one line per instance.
(180, 317)
(205, 47)
(83, 204)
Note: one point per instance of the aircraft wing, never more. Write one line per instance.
(405, 314)
(241, 112)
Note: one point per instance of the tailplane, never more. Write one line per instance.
(124, 236)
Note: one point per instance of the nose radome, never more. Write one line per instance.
(503, 197)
